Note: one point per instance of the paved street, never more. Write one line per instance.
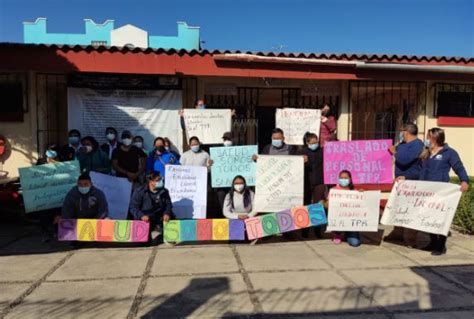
(310, 278)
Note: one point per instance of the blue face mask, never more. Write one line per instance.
(427, 143)
(74, 140)
(313, 147)
(201, 107)
(344, 182)
(277, 143)
(195, 148)
(83, 190)
(160, 184)
(51, 154)
(400, 137)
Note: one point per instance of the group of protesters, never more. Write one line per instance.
(428, 160)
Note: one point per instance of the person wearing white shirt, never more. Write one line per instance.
(196, 156)
(239, 202)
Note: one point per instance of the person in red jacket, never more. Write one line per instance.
(328, 125)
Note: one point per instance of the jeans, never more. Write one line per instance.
(353, 238)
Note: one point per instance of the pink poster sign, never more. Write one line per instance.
(369, 161)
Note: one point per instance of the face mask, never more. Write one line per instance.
(127, 141)
(344, 182)
(51, 154)
(313, 147)
(88, 148)
(427, 143)
(167, 148)
(400, 137)
(83, 190)
(159, 184)
(74, 140)
(227, 143)
(277, 143)
(239, 187)
(195, 148)
(111, 136)
(138, 144)
(201, 107)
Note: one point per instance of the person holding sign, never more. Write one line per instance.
(352, 238)
(152, 203)
(92, 158)
(85, 201)
(328, 125)
(127, 160)
(239, 202)
(196, 156)
(314, 187)
(407, 164)
(160, 157)
(278, 146)
(435, 167)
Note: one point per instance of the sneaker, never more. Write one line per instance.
(336, 239)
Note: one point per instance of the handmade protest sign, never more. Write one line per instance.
(208, 125)
(279, 183)
(353, 210)
(230, 162)
(46, 186)
(296, 122)
(235, 229)
(369, 161)
(117, 191)
(103, 230)
(188, 190)
(422, 205)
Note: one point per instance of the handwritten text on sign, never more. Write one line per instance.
(188, 190)
(230, 162)
(117, 191)
(279, 182)
(45, 186)
(421, 205)
(369, 161)
(353, 210)
(234, 229)
(207, 125)
(103, 230)
(296, 122)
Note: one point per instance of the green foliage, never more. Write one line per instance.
(464, 218)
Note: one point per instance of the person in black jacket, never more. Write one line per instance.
(152, 203)
(314, 188)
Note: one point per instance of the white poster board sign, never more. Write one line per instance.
(149, 113)
(296, 122)
(279, 183)
(188, 190)
(208, 125)
(353, 210)
(422, 205)
(117, 191)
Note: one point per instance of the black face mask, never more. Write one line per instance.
(161, 149)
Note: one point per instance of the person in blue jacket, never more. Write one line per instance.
(159, 157)
(435, 167)
(407, 156)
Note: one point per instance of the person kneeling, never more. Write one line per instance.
(152, 203)
(85, 201)
(239, 202)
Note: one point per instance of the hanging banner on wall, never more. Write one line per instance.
(208, 125)
(296, 122)
(369, 161)
(149, 113)
(422, 205)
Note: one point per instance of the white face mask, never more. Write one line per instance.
(239, 187)
(227, 143)
(88, 148)
(110, 136)
(127, 141)
(138, 144)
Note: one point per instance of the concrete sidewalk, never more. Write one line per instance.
(311, 278)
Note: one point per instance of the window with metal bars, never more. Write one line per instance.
(456, 100)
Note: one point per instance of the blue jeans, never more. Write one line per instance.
(353, 238)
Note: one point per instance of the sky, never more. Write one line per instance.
(417, 27)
